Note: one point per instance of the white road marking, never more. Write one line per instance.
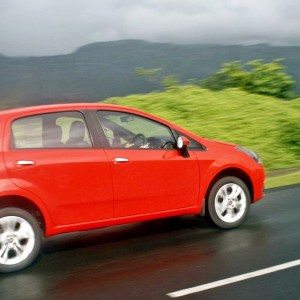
(230, 280)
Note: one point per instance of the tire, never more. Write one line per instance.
(20, 239)
(228, 202)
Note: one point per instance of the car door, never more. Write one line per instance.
(52, 155)
(149, 174)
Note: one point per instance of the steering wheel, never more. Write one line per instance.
(138, 137)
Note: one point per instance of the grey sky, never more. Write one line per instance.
(47, 27)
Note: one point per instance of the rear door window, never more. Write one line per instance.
(53, 130)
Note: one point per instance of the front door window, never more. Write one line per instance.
(124, 130)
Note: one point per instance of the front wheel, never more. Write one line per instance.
(20, 239)
(228, 202)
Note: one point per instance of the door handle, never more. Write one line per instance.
(25, 163)
(120, 160)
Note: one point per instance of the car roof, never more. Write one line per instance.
(77, 106)
(40, 108)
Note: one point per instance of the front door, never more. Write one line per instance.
(149, 174)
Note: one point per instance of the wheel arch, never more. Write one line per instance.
(232, 171)
(25, 204)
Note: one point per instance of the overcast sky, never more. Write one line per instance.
(48, 27)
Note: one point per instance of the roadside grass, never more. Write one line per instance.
(265, 124)
(282, 180)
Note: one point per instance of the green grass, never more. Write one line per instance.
(265, 124)
(285, 179)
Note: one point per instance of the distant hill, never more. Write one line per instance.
(100, 70)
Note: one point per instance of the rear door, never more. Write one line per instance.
(53, 156)
(149, 174)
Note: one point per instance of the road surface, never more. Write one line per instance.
(152, 259)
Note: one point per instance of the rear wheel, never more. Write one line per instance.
(228, 202)
(20, 239)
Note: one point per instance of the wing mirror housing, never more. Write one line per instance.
(182, 145)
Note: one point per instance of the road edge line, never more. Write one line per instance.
(222, 282)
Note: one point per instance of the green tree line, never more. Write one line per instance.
(254, 76)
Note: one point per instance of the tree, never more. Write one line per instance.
(169, 82)
(269, 78)
(231, 74)
(254, 76)
(152, 75)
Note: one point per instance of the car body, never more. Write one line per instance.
(74, 167)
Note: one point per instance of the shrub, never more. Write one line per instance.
(254, 76)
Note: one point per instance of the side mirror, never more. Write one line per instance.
(182, 144)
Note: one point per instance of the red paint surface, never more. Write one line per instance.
(81, 189)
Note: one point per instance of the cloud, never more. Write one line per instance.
(47, 27)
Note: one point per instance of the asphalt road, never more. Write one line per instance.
(150, 259)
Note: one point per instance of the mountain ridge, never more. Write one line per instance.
(100, 70)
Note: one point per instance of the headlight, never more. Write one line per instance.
(250, 153)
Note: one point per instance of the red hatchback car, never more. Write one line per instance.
(74, 167)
